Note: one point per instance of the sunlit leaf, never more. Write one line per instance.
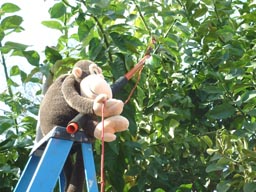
(207, 140)
(10, 82)
(9, 8)
(52, 54)
(185, 187)
(2, 34)
(58, 10)
(159, 190)
(248, 95)
(11, 22)
(14, 70)
(210, 151)
(32, 57)
(53, 25)
(9, 45)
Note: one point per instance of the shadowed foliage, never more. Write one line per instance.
(192, 116)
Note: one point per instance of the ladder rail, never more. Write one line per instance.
(27, 174)
(45, 165)
(89, 167)
(50, 165)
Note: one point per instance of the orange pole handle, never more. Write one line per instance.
(136, 68)
(72, 128)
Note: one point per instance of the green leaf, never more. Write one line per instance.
(210, 151)
(125, 42)
(52, 55)
(183, 28)
(201, 11)
(99, 3)
(121, 27)
(159, 190)
(9, 8)
(8, 46)
(249, 153)
(222, 111)
(173, 125)
(84, 29)
(118, 66)
(226, 33)
(23, 76)
(5, 123)
(252, 112)
(2, 34)
(248, 95)
(15, 70)
(154, 61)
(223, 186)
(10, 82)
(249, 187)
(11, 22)
(53, 25)
(214, 167)
(32, 57)
(58, 10)
(185, 187)
(207, 140)
(95, 48)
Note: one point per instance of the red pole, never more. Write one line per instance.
(136, 68)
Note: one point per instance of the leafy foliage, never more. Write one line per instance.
(192, 117)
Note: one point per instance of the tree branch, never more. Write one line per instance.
(104, 37)
(6, 72)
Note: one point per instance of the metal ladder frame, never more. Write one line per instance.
(46, 162)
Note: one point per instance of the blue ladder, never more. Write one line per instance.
(46, 162)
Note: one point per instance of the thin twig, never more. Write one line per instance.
(165, 35)
(143, 19)
(6, 72)
(104, 37)
(68, 4)
(7, 78)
